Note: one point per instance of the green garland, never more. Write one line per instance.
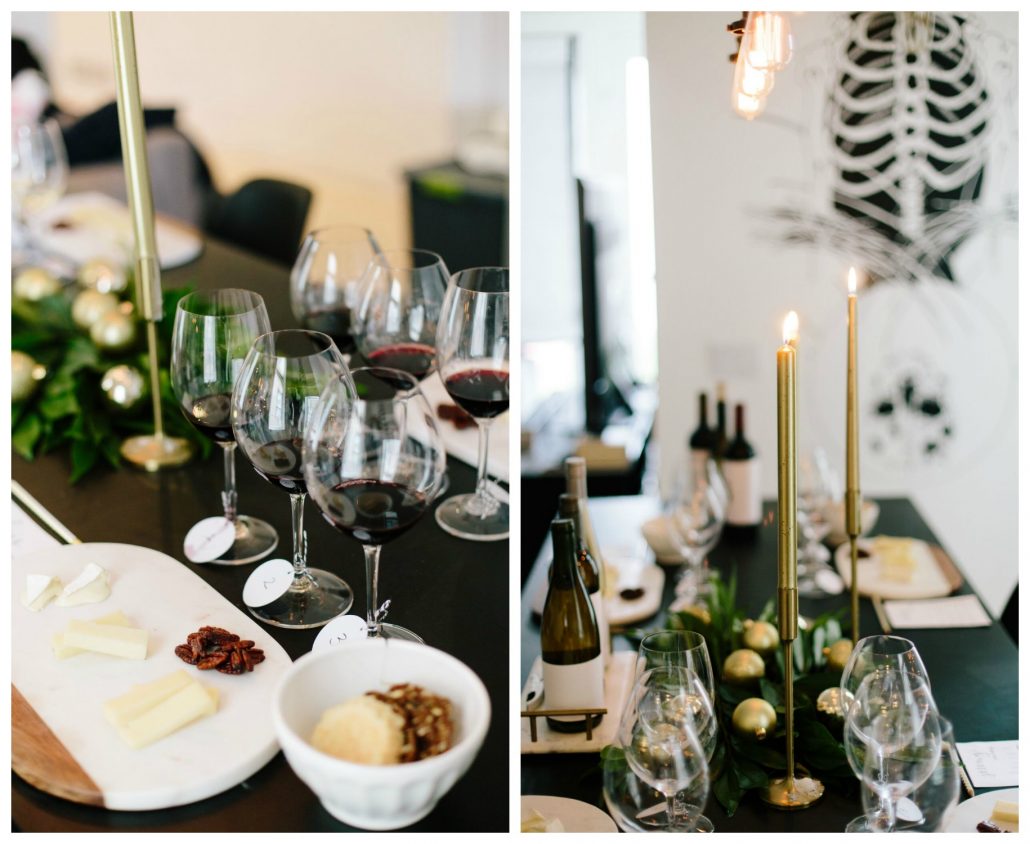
(741, 764)
(69, 410)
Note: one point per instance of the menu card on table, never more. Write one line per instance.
(990, 764)
(960, 611)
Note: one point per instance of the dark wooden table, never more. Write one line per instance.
(974, 671)
(452, 592)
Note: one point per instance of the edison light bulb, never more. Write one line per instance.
(771, 43)
(747, 79)
(748, 107)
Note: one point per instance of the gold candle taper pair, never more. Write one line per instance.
(852, 497)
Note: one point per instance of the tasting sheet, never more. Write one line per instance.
(960, 611)
(990, 764)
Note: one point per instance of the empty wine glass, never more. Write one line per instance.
(373, 464)
(696, 521)
(326, 278)
(472, 356)
(892, 738)
(273, 402)
(213, 332)
(816, 579)
(399, 304)
(681, 648)
(926, 809)
(876, 655)
(662, 749)
(39, 173)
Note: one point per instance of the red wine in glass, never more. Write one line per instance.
(416, 359)
(336, 322)
(373, 511)
(482, 393)
(278, 462)
(212, 416)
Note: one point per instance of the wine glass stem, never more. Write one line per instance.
(229, 493)
(372, 588)
(300, 551)
(484, 449)
(670, 809)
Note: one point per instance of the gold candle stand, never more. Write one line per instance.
(852, 496)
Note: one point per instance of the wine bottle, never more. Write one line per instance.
(576, 485)
(702, 440)
(720, 441)
(589, 570)
(569, 640)
(742, 471)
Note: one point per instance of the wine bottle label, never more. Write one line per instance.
(743, 477)
(699, 463)
(579, 686)
(597, 599)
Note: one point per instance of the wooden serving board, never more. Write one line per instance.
(60, 740)
(933, 576)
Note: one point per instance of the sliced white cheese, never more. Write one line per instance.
(40, 590)
(62, 650)
(536, 822)
(90, 587)
(1006, 812)
(175, 712)
(126, 642)
(135, 702)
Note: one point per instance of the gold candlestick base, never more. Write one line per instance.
(154, 452)
(792, 793)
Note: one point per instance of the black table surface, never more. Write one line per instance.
(974, 671)
(439, 585)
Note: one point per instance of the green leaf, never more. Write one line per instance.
(84, 455)
(750, 775)
(727, 791)
(26, 435)
(772, 692)
(818, 747)
(59, 403)
(613, 757)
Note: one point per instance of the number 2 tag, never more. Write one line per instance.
(267, 582)
(340, 631)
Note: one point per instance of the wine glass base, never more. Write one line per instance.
(392, 631)
(454, 517)
(859, 824)
(324, 596)
(255, 539)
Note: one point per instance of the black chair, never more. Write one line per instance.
(1010, 616)
(265, 216)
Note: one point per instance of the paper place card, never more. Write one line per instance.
(339, 631)
(26, 535)
(208, 539)
(990, 764)
(267, 582)
(960, 611)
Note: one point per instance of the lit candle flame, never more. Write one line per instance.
(852, 281)
(790, 328)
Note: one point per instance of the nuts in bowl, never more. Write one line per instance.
(380, 729)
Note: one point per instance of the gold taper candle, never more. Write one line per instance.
(786, 428)
(852, 496)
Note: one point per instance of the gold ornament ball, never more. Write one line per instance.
(743, 667)
(830, 709)
(90, 305)
(35, 283)
(838, 654)
(25, 375)
(754, 718)
(103, 276)
(123, 386)
(761, 636)
(698, 612)
(114, 331)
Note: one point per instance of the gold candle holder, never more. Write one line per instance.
(789, 791)
(852, 496)
(154, 451)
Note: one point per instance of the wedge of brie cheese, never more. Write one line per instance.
(40, 590)
(90, 587)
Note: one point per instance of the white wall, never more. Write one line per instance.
(725, 283)
(341, 102)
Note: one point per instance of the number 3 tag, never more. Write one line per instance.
(267, 582)
(340, 631)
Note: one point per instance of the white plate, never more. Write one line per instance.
(928, 581)
(163, 596)
(575, 815)
(967, 814)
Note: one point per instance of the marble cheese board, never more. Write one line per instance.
(60, 740)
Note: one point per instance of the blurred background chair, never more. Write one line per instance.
(265, 216)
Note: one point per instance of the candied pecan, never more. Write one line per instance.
(212, 660)
(214, 647)
(185, 653)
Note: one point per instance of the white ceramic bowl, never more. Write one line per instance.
(377, 796)
(834, 513)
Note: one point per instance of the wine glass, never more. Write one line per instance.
(472, 356)
(273, 402)
(662, 748)
(373, 464)
(816, 579)
(926, 809)
(399, 304)
(892, 738)
(326, 277)
(877, 655)
(696, 520)
(39, 172)
(211, 336)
